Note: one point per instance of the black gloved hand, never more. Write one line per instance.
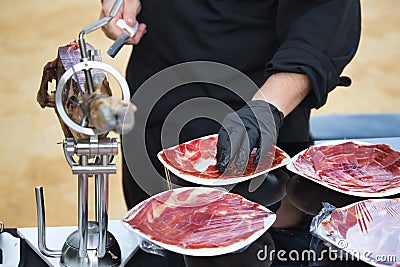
(255, 125)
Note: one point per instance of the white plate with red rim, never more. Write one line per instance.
(361, 191)
(373, 233)
(222, 225)
(197, 165)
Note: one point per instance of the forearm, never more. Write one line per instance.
(284, 90)
(317, 38)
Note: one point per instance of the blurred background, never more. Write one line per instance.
(31, 32)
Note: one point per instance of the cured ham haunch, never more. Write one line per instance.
(198, 218)
(99, 109)
(198, 158)
(352, 167)
(67, 56)
(370, 228)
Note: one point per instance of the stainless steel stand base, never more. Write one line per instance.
(70, 251)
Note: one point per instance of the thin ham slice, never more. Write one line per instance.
(198, 159)
(197, 218)
(352, 167)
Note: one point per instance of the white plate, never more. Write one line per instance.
(385, 193)
(268, 220)
(193, 178)
(371, 216)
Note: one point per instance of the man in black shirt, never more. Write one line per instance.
(291, 51)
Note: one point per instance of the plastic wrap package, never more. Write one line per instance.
(351, 167)
(368, 230)
(195, 161)
(324, 213)
(197, 221)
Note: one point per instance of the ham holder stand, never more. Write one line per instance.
(92, 244)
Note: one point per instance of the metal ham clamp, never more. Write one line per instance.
(10, 249)
(89, 115)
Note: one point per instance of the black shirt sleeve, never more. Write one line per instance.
(317, 38)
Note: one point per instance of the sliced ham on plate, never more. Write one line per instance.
(195, 161)
(369, 230)
(350, 167)
(199, 221)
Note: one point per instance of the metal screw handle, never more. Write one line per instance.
(41, 218)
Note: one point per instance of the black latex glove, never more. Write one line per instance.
(254, 125)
